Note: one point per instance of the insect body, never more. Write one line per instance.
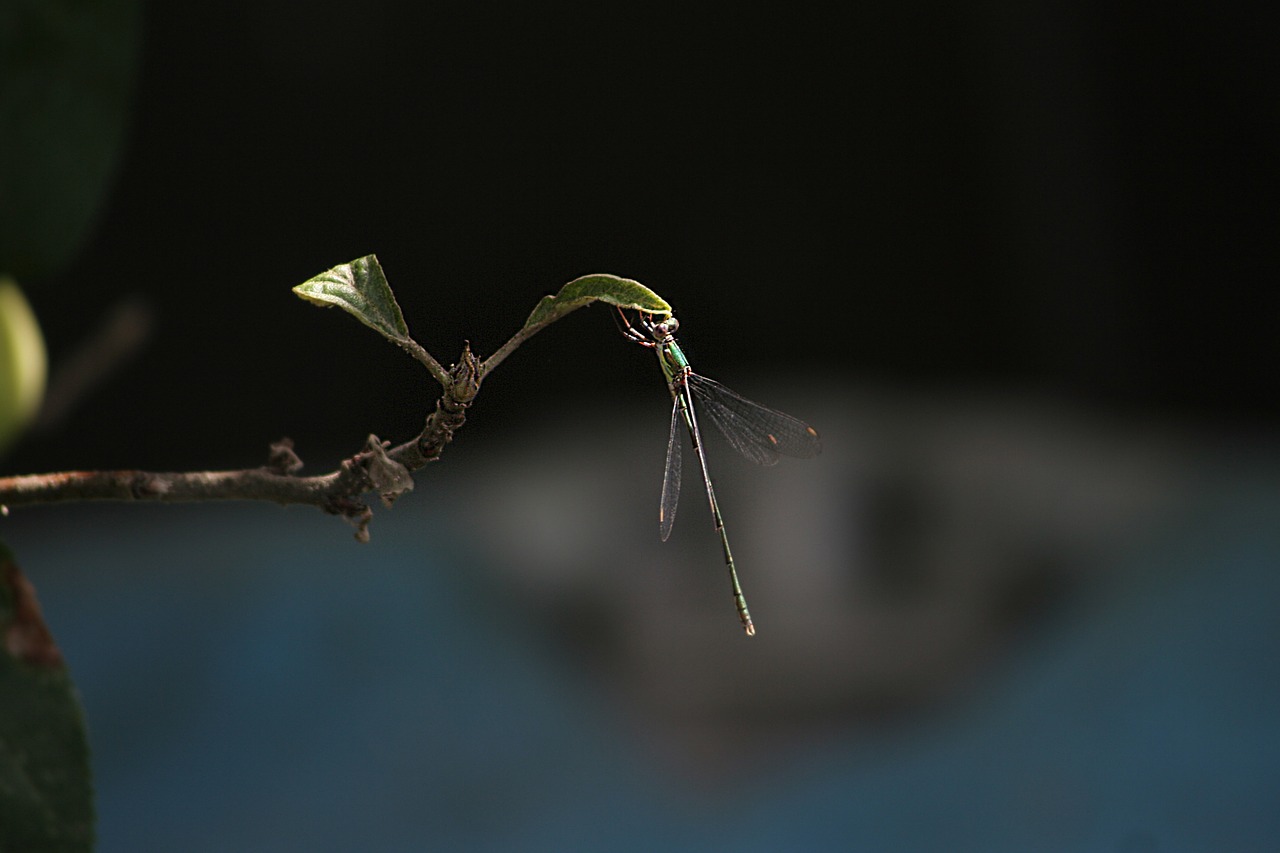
(757, 432)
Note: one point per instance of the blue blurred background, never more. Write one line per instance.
(1015, 261)
(518, 664)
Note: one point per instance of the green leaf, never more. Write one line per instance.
(46, 798)
(360, 289)
(622, 292)
(67, 70)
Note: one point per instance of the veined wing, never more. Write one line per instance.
(671, 477)
(757, 432)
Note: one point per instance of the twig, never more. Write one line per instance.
(117, 339)
(427, 360)
(506, 349)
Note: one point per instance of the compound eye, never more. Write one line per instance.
(669, 325)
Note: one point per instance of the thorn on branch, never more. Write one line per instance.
(464, 377)
(282, 460)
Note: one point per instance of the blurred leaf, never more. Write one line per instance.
(22, 361)
(622, 292)
(360, 289)
(66, 74)
(46, 798)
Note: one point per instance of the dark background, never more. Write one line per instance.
(1063, 197)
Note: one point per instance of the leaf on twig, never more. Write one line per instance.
(46, 800)
(360, 289)
(622, 292)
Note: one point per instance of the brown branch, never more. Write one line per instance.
(251, 484)
(372, 469)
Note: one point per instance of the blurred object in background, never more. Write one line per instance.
(116, 340)
(889, 577)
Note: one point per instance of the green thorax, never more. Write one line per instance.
(672, 359)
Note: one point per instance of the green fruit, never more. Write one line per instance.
(22, 362)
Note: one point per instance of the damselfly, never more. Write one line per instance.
(757, 432)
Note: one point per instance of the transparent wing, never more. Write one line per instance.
(757, 432)
(671, 478)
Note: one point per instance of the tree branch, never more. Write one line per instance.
(374, 468)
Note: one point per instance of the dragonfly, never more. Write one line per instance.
(757, 432)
